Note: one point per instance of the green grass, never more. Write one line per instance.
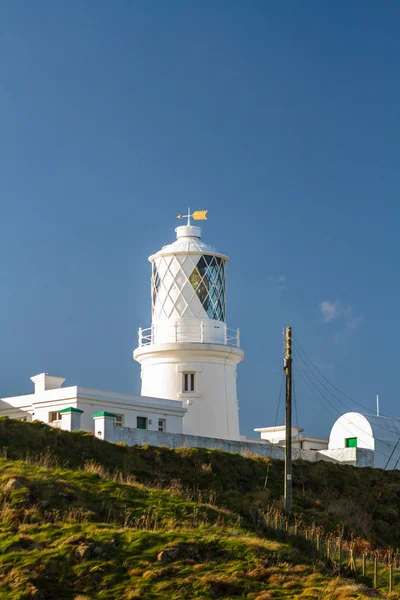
(94, 520)
(60, 561)
(331, 495)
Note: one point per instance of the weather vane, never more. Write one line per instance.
(198, 215)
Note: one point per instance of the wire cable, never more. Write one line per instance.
(276, 421)
(297, 425)
(301, 364)
(336, 388)
(339, 412)
(376, 486)
(304, 369)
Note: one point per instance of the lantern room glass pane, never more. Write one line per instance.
(156, 283)
(208, 281)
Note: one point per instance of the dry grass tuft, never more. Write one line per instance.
(90, 466)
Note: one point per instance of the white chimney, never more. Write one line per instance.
(44, 382)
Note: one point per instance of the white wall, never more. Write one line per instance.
(213, 407)
(368, 436)
(351, 425)
(94, 401)
(173, 422)
(313, 445)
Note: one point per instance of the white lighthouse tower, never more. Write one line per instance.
(188, 353)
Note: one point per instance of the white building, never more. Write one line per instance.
(50, 399)
(277, 435)
(188, 357)
(188, 353)
(380, 434)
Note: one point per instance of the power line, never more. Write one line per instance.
(276, 421)
(321, 403)
(297, 424)
(371, 514)
(332, 385)
(313, 375)
(338, 411)
(301, 364)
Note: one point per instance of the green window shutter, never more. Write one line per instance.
(351, 442)
(141, 422)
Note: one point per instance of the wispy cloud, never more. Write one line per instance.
(279, 282)
(335, 310)
(329, 310)
(354, 321)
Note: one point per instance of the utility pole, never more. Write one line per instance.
(288, 421)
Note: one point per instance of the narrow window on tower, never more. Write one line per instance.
(188, 382)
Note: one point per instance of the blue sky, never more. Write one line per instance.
(280, 118)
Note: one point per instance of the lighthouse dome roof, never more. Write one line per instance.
(188, 241)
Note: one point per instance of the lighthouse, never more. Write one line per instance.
(188, 353)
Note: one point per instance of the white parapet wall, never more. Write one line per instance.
(140, 437)
(358, 457)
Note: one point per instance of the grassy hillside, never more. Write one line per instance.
(80, 534)
(328, 494)
(83, 519)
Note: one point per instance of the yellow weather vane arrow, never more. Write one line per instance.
(198, 215)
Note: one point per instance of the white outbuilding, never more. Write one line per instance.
(74, 407)
(378, 433)
(277, 436)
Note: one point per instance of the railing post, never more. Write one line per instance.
(152, 333)
(238, 338)
(176, 331)
(225, 335)
(202, 331)
(140, 337)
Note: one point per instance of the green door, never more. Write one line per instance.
(351, 442)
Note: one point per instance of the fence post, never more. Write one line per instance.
(375, 572)
(352, 562)
(364, 565)
(340, 555)
(390, 577)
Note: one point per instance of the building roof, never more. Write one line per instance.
(276, 429)
(188, 242)
(383, 427)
